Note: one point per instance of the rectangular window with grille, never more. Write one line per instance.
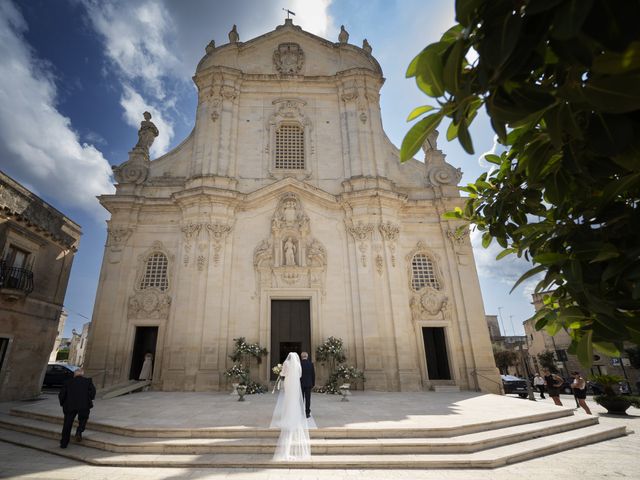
(290, 147)
(155, 275)
(423, 273)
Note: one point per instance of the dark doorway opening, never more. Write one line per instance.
(435, 349)
(144, 342)
(290, 329)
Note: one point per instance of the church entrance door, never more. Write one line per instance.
(144, 342)
(435, 349)
(290, 329)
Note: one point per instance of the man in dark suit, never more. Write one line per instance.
(76, 399)
(307, 381)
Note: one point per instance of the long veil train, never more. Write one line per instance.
(289, 415)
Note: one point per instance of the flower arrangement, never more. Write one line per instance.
(242, 356)
(277, 369)
(331, 353)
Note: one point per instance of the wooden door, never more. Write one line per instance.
(290, 329)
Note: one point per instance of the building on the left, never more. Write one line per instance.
(37, 247)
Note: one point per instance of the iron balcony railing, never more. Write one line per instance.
(16, 278)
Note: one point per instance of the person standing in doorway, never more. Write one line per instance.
(307, 381)
(76, 398)
(538, 382)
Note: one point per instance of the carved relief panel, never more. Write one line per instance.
(151, 299)
(427, 298)
(290, 256)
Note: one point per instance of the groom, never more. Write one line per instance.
(307, 381)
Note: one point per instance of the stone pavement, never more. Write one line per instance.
(616, 458)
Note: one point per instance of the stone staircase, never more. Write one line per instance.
(480, 445)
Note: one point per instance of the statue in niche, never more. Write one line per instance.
(147, 133)
(289, 252)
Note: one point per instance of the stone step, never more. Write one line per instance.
(460, 444)
(123, 389)
(445, 388)
(490, 458)
(338, 432)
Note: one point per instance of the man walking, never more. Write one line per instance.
(538, 382)
(307, 381)
(76, 399)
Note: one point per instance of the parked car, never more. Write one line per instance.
(57, 374)
(516, 385)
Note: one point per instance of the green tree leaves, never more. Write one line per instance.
(560, 80)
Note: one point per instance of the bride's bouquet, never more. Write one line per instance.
(277, 370)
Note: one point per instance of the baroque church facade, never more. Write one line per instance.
(285, 217)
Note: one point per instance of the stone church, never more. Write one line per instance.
(286, 217)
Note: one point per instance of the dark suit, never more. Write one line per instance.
(75, 398)
(307, 382)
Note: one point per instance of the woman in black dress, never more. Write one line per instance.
(553, 383)
(579, 386)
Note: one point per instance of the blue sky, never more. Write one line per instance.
(76, 75)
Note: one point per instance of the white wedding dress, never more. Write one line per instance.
(289, 415)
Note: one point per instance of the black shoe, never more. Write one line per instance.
(62, 445)
(308, 415)
(78, 436)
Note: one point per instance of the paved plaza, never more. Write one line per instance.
(615, 458)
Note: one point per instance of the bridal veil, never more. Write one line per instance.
(289, 415)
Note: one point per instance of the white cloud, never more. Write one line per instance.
(134, 105)
(38, 143)
(506, 271)
(137, 38)
(313, 16)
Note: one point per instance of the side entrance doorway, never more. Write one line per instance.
(435, 349)
(143, 343)
(290, 329)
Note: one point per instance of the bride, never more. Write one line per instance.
(289, 415)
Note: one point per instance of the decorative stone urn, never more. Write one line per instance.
(242, 390)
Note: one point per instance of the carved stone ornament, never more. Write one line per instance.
(390, 232)
(460, 242)
(190, 232)
(217, 234)
(117, 236)
(438, 172)
(428, 303)
(343, 36)
(361, 234)
(149, 303)
(290, 256)
(288, 58)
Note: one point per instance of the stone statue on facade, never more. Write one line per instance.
(233, 35)
(366, 46)
(343, 37)
(289, 253)
(147, 133)
(211, 46)
(136, 169)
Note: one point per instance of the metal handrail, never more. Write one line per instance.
(16, 278)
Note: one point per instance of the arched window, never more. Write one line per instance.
(155, 272)
(289, 153)
(423, 272)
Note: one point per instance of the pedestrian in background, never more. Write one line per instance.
(579, 387)
(76, 398)
(553, 383)
(538, 382)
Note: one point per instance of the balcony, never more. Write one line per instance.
(15, 283)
